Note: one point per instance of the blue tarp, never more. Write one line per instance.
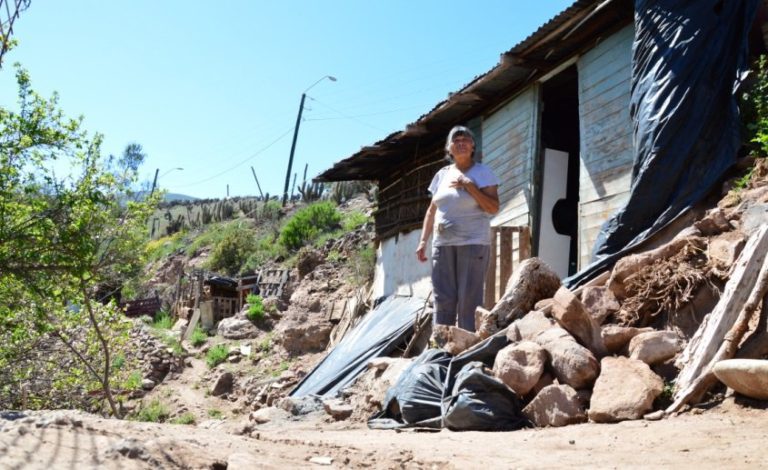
(688, 59)
(378, 334)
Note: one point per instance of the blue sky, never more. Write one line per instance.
(214, 87)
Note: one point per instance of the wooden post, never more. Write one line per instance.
(505, 262)
(525, 243)
(490, 274)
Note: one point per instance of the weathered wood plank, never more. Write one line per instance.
(701, 349)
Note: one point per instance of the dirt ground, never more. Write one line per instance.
(729, 436)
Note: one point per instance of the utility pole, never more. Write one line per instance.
(293, 149)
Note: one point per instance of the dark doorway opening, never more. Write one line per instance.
(558, 226)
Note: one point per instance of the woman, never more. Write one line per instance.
(464, 196)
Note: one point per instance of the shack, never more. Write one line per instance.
(552, 120)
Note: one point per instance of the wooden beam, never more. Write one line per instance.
(505, 262)
(490, 274)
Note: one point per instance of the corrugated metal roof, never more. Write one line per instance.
(577, 27)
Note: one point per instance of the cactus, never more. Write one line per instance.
(311, 192)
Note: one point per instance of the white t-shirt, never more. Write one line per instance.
(459, 219)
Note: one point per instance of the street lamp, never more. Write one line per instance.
(296, 133)
(154, 182)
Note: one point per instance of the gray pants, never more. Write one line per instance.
(458, 275)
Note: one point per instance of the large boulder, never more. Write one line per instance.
(654, 347)
(520, 366)
(749, 377)
(528, 327)
(600, 302)
(616, 337)
(531, 281)
(570, 313)
(625, 390)
(237, 328)
(570, 362)
(556, 405)
(301, 333)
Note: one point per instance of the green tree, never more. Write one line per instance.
(61, 238)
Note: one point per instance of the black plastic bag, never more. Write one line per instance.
(479, 402)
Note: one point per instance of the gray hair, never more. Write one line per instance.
(461, 130)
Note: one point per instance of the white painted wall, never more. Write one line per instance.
(404, 273)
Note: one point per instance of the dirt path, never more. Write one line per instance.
(727, 437)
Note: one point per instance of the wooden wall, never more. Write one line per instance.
(606, 135)
(509, 143)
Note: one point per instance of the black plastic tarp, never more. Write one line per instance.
(379, 333)
(688, 58)
(438, 390)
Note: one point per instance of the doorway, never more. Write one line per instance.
(558, 175)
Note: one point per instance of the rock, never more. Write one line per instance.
(556, 405)
(307, 260)
(616, 337)
(148, 384)
(528, 327)
(302, 333)
(337, 409)
(654, 347)
(301, 405)
(754, 217)
(625, 390)
(714, 222)
(599, 302)
(265, 415)
(485, 323)
(531, 281)
(455, 340)
(570, 313)
(520, 366)
(748, 377)
(726, 248)
(223, 384)
(571, 363)
(237, 328)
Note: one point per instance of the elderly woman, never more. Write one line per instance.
(464, 196)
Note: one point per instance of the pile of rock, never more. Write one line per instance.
(157, 359)
(601, 352)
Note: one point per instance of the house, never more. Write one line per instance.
(552, 120)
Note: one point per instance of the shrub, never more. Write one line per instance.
(354, 220)
(233, 250)
(133, 382)
(186, 418)
(154, 412)
(308, 223)
(363, 265)
(754, 109)
(216, 355)
(215, 414)
(198, 337)
(162, 321)
(255, 307)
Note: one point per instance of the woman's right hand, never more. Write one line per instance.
(421, 251)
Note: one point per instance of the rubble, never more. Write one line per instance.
(556, 405)
(624, 390)
(748, 377)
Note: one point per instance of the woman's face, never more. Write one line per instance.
(462, 146)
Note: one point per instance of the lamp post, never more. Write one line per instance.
(296, 134)
(154, 182)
